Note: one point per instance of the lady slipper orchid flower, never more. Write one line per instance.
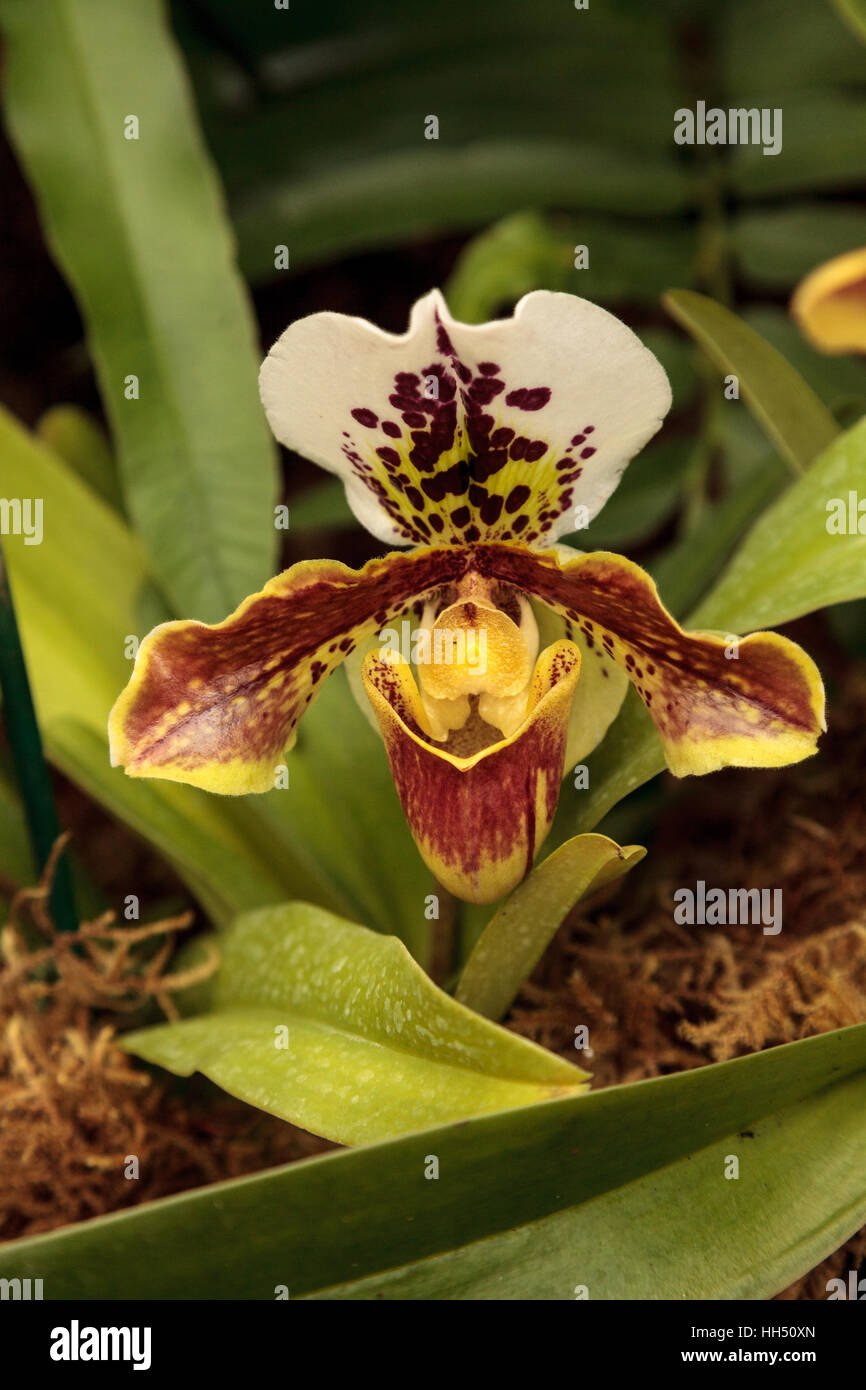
(475, 447)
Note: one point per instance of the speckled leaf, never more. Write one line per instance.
(337, 1029)
(623, 1191)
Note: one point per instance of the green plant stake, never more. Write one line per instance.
(30, 766)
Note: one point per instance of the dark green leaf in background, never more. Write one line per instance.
(138, 227)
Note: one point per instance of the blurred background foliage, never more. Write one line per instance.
(555, 131)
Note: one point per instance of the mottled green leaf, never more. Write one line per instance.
(338, 1029)
(622, 1190)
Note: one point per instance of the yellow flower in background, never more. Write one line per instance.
(830, 304)
(475, 448)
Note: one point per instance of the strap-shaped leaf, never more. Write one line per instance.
(622, 1191)
(794, 419)
(76, 595)
(337, 1029)
(134, 215)
(521, 929)
(806, 551)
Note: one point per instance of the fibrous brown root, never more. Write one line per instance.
(76, 1110)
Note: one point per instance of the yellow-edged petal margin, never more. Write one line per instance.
(830, 304)
(716, 701)
(216, 706)
(478, 821)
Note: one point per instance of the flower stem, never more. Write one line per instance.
(34, 781)
(443, 963)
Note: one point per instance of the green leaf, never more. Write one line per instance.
(778, 246)
(16, 853)
(854, 14)
(89, 563)
(810, 163)
(393, 197)
(518, 254)
(528, 251)
(790, 563)
(372, 1048)
(75, 437)
(761, 60)
(76, 591)
(650, 492)
(789, 412)
(622, 1190)
(225, 868)
(685, 570)
(523, 926)
(629, 755)
(839, 381)
(157, 286)
(322, 506)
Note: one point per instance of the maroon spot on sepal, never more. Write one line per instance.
(516, 498)
(529, 397)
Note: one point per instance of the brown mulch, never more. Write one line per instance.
(85, 1129)
(657, 997)
(660, 997)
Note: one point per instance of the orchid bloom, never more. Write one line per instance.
(830, 304)
(475, 447)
